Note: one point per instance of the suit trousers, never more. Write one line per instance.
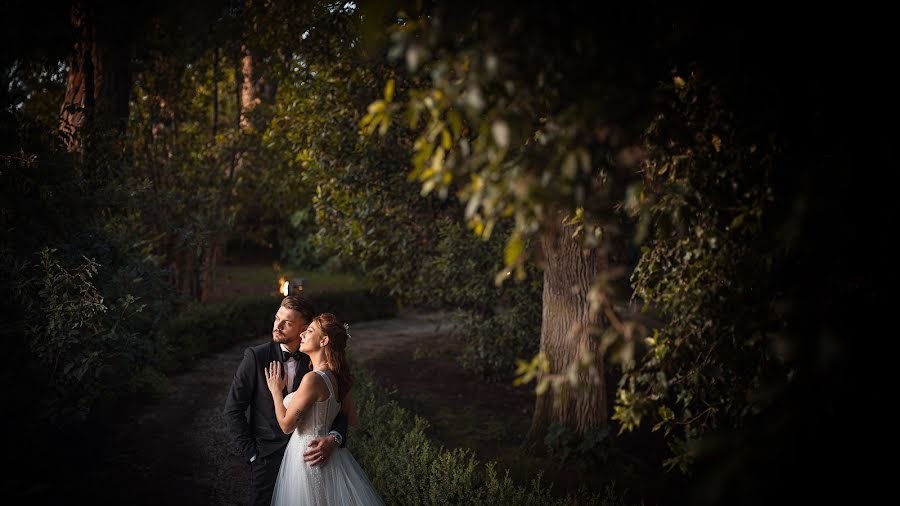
(263, 473)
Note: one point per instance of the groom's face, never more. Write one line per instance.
(288, 326)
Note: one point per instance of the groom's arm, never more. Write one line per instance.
(320, 449)
(239, 397)
(340, 426)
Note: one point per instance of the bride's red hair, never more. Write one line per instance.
(336, 352)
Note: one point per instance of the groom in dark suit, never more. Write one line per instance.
(260, 440)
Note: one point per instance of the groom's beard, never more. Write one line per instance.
(282, 338)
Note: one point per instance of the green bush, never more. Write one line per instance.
(408, 468)
(83, 302)
(493, 342)
(498, 323)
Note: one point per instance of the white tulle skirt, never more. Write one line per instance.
(339, 482)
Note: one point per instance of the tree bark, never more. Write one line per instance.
(79, 99)
(99, 80)
(215, 97)
(248, 95)
(568, 326)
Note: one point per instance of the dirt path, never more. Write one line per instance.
(178, 451)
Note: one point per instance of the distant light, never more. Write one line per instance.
(285, 288)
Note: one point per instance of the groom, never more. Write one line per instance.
(261, 441)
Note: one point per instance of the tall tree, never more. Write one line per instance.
(248, 88)
(567, 325)
(99, 81)
(529, 121)
(215, 94)
(737, 138)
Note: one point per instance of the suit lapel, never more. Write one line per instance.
(275, 354)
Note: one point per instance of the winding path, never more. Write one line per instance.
(178, 451)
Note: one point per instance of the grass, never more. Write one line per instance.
(260, 279)
(323, 282)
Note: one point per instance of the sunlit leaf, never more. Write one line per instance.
(446, 141)
(513, 250)
(500, 131)
(389, 91)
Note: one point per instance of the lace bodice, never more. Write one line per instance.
(316, 421)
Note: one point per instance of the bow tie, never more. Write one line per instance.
(286, 355)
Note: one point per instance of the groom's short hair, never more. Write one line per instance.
(300, 305)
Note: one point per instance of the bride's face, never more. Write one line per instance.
(311, 339)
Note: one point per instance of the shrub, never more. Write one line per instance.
(408, 468)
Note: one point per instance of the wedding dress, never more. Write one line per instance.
(340, 481)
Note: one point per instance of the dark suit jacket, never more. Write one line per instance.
(260, 434)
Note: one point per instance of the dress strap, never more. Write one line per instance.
(324, 376)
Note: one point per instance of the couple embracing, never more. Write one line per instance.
(298, 390)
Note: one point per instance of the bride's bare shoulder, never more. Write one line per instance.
(312, 382)
(309, 379)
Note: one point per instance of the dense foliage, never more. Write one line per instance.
(720, 160)
(709, 147)
(369, 216)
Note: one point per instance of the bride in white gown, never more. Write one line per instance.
(308, 412)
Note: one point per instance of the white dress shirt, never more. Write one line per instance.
(290, 368)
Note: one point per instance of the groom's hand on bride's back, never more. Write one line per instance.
(319, 450)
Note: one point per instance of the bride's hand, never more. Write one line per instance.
(274, 378)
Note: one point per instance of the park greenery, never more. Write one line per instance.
(645, 214)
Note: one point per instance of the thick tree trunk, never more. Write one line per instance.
(79, 99)
(567, 322)
(99, 80)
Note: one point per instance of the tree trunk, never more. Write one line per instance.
(248, 94)
(215, 97)
(99, 80)
(79, 99)
(568, 326)
(208, 267)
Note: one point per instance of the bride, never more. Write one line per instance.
(308, 412)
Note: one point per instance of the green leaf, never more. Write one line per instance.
(389, 91)
(455, 122)
(376, 107)
(513, 250)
